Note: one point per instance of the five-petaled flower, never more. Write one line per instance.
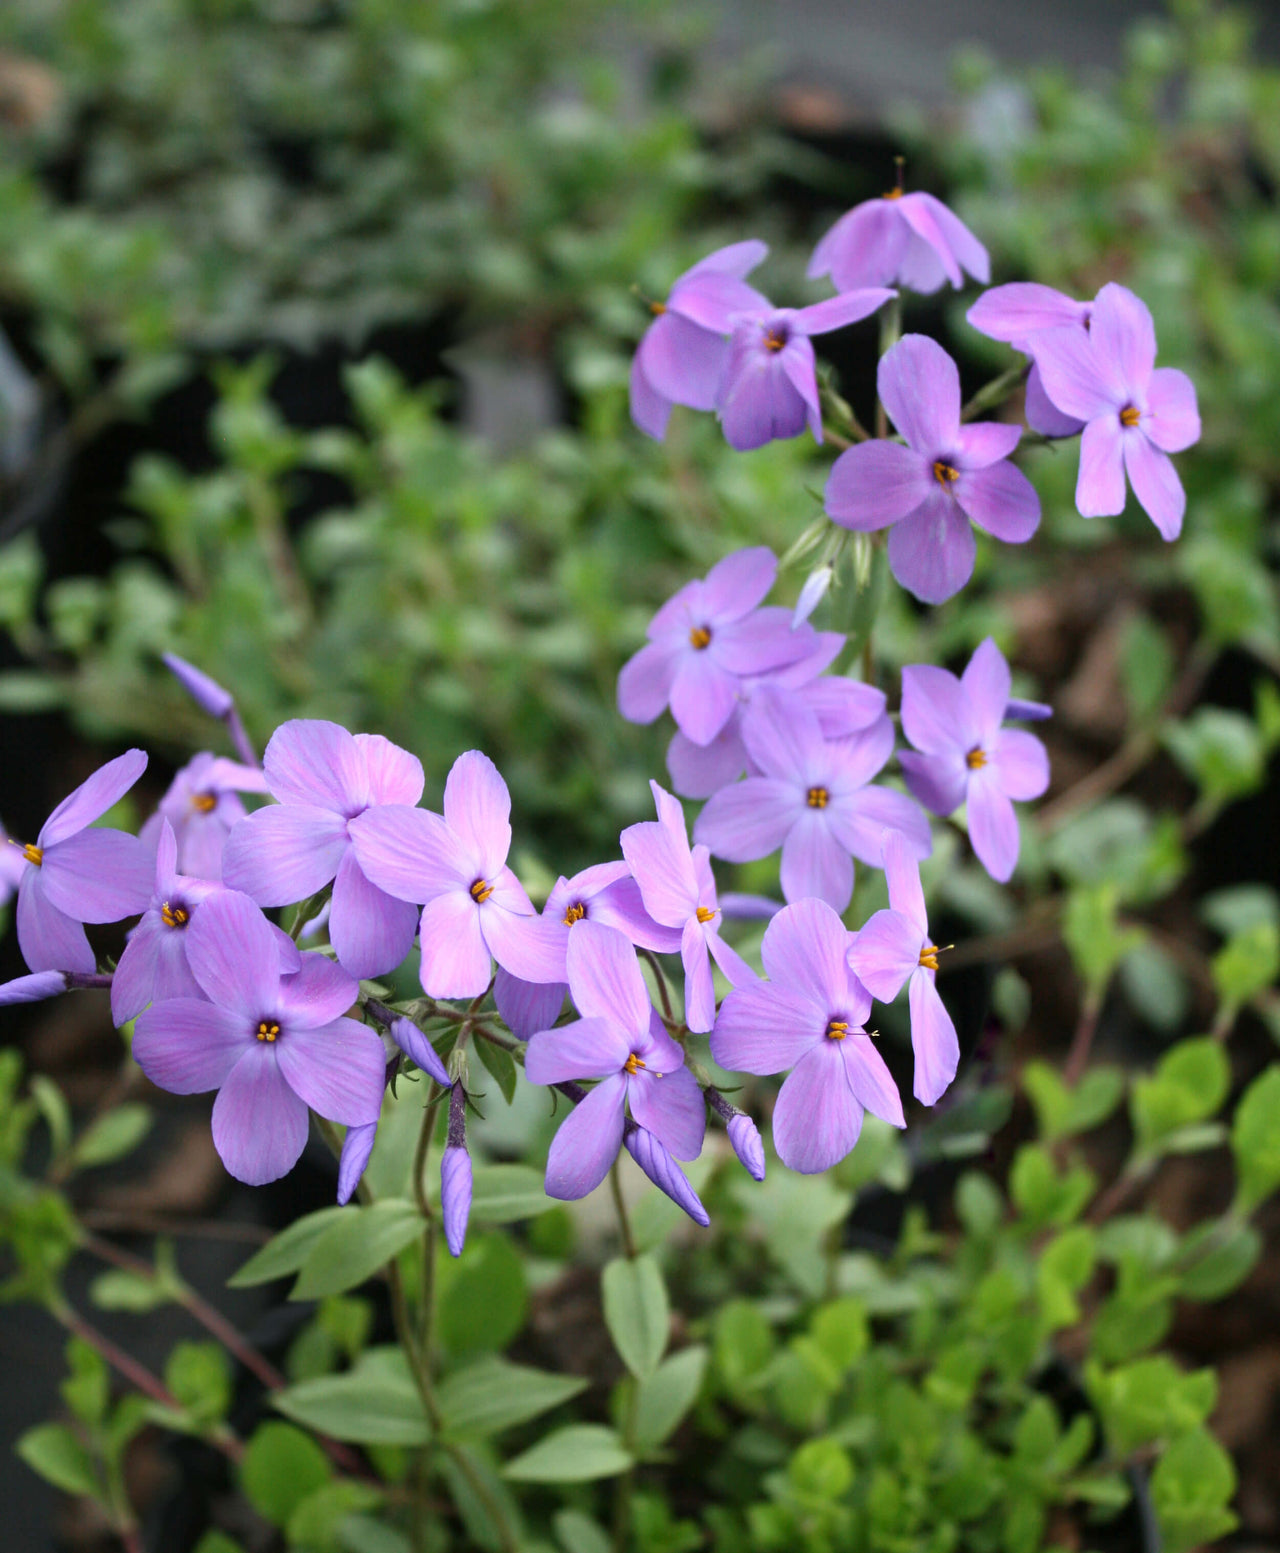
(909, 240)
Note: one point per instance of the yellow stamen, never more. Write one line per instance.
(705, 913)
(893, 194)
(481, 890)
(1130, 415)
(204, 802)
(944, 474)
(575, 913)
(173, 916)
(929, 957)
(976, 759)
(773, 341)
(657, 308)
(633, 1064)
(32, 853)
(267, 1031)
(818, 798)
(700, 637)
(837, 1029)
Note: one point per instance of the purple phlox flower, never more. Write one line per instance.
(813, 800)
(272, 1045)
(899, 239)
(621, 1041)
(210, 697)
(323, 778)
(1016, 314)
(203, 807)
(809, 1017)
(77, 872)
(456, 865)
(656, 1162)
(894, 948)
(357, 1146)
(697, 770)
(455, 1174)
(604, 893)
(744, 1135)
(965, 756)
(414, 1044)
(1135, 413)
(770, 384)
(679, 891)
(704, 641)
(947, 477)
(682, 356)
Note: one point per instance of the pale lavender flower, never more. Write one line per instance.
(1016, 314)
(679, 892)
(357, 1146)
(455, 1174)
(894, 948)
(272, 1045)
(1135, 413)
(966, 756)
(76, 872)
(621, 1041)
(682, 356)
(210, 697)
(203, 806)
(770, 386)
(909, 240)
(809, 1017)
(703, 642)
(323, 778)
(604, 893)
(813, 800)
(947, 477)
(654, 1158)
(474, 906)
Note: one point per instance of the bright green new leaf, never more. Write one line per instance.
(1190, 1488)
(1247, 963)
(578, 1453)
(58, 1456)
(286, 1252)
(636, 1312)
(820, 1469)
(1217, 1257)
(280, 1467)
(578, 1533)
(114, 1134)
(354, 1246)
(1255, 1141)
(1188, 1086)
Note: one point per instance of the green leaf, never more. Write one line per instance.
(317, 1520)
(199, 1377)
(820, 1469)
(501, 1194)
(493, 1394)
(1146, 667)
(1188, 1086)
(87, 1390)
(1190, 1488)
(1247, 963)
(217, 1542)
(841, 1331)
(1041, 1194)
(1217, 1258)
(55, 1110)
(112, 1136)
(1093, 935)
(1151, 1399)
(742, 1342)
(286, 1252)
(484, 1296)
(578, 1533)
(667, 1395)
(501, 1066)
(578, 1453)
(636, 1312)
(376, 1403)
(55, 1453)
(280, 1467)
(1220, 751)
(120, 1289)
(1255, 1141)
(477, 1509)
(352, 1248)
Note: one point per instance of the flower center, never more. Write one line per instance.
(204, 803)
(31, 852)
(268, 1030)
(929, 957)
(173, 916)
(635, 1062)
(818, 798)
(774, 339)
(837, 1029)
(1130, 415)
(976, 759)
(944, 474)
(575, 913)
(700, 637)
(705, 913)
(481, 890)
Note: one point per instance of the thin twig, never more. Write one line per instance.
(624, 1223)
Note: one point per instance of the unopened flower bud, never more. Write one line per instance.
(34, 988)
(455, 1175)
(812, 594)
(207, 693)
(747, 1145)
(356, 1148)
(419, 1049)
(656, 1162)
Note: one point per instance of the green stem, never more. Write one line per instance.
(996, 391)
(661, 979)
(624, 1223)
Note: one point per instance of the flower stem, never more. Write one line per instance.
(996, 391)
(624, 1223)
(660, 977)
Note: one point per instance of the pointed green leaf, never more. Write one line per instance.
(492, 1394)
(355, 1246)
(636, 1312)
(576, 1454)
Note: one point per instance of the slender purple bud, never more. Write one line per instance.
(356, 1148)
(415, 1046)
(455, 1174)
(1028, 711)
(747, 1145)
(656, 1162)
(33, 989)
(812, 594)
(210, 697)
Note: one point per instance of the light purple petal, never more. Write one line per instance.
(529, 946)
(738, 584)
(861, 820)
(477, 808)
(699, 984)
(698, 770)
(751, 819)
(784, 738)
(207, 693)
(993, 826)
(836, 312)
(621, 906)
(870, 1080)
(1123, 335)
(586, 1048)
(98, 875)
(662, 1170)
(455, 1197)
(748, 1145)
(985, 443)
(703, 696)
(935, 711)
(411, 853)
(918, 211)
(605, 980)
(356, 1149)
(223, 776)
(800, 369)
(371, 931)
(187, 1046)
(713, 301)
(455, 958)
(527, 1006)
(663, 872)
(134, 979)
(1155, 483)
(843, 706)
(233, 954)
(672, 1108)
(939, 782)
(885, 953)
(284, 853)
(986, 681)
(1076, 380)
(761, 643)
(919, 385)
(259, 1124)
(93, 797)
(1041, 412)
(49, 939)
(1013, 312)
(1001, 500)
(733, 967)
(737, 260)
(804, 950)
(816, 1120)
(960, 241)
(749, 908)
(1172, 418)
(931, 553)
(649, 410)
(815, 863)
(855, 759)
(310, 761)
(339, 1070)
(395, 776)
(316, 994)
(1100, 483)
(682, 362)
(902, 875)
(873, 484)
(1019, 763)
(933, 1039)
(765, 1028)
(1028, 711)
(587, 1142)
(863, 248)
